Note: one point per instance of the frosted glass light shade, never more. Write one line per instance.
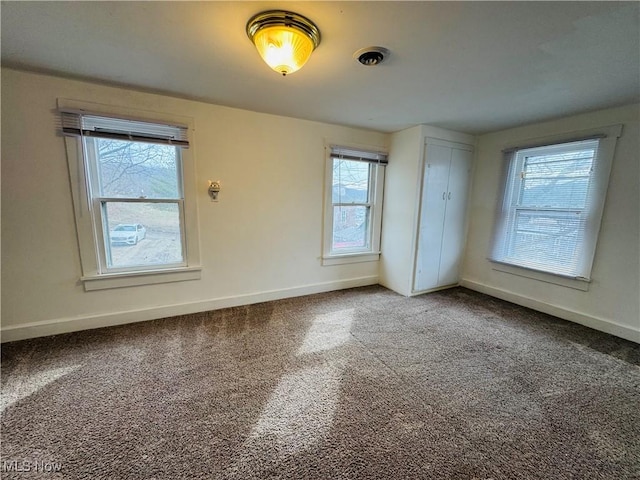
(285, 40)
(284, 49)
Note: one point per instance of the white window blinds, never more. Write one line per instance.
(550, 214)
(346, 153)
(87, 125)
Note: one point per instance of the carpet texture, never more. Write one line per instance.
(355, 384)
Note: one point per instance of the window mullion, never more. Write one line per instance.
(99, 232)
(520, 208)
(183, 232)
(91, 166)
(139, 200)
(352, 204)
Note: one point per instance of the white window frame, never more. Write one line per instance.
(597, 192)
(95, 275)
(371, 253)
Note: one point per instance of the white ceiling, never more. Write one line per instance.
(469, 66)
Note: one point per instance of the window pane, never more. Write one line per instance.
(350, 181)
(350, 227)
(142, 234)
(549, 238)
(553, 167)
(137, 170)
(558, 181)
(568, 154)
(561, 192)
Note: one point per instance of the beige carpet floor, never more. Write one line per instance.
(355, 384)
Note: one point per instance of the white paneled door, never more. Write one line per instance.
(441, 230)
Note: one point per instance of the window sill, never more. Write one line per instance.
(134, 279)
(350, 258)
(575, 283)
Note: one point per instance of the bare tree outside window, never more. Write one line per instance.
(135, 169)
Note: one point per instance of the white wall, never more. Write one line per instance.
(612, 302)
(261, 241)
(399, 209)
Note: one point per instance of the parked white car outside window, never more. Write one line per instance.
(127, 233)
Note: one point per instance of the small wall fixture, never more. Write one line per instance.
(284, 39)
(214, 190)
(371, 56)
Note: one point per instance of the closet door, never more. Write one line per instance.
(453, 233)
(432, 214)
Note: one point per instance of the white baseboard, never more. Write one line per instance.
(607, 326)
(65, 325)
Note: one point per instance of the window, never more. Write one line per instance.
(131, 210)
(353, 205)
(552, 206)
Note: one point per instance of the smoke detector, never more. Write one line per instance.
(371, 56)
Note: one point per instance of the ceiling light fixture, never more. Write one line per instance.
(284, 39)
